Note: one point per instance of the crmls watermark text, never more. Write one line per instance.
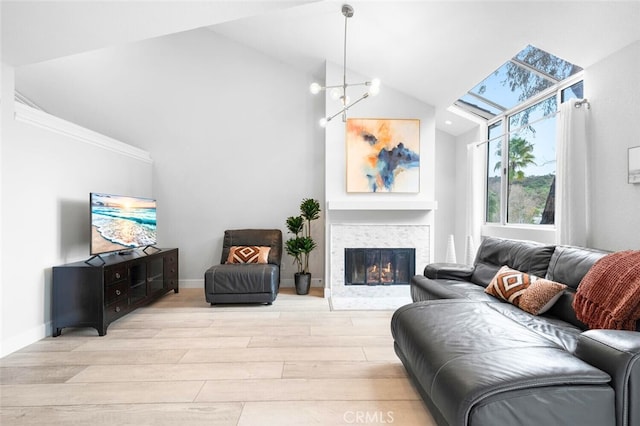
(368, 417)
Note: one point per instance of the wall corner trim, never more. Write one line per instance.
(35, 117)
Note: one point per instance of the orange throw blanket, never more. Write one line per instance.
(609, 294)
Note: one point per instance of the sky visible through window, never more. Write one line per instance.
(505, 93)
(527, 74)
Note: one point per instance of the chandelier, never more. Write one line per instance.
(339, 92)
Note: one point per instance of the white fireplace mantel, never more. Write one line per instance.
(415, 205)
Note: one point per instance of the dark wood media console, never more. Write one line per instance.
(95, 295)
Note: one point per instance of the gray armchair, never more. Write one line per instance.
(246, 282)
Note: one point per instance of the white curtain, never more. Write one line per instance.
(572, 175)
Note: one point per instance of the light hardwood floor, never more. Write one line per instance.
(181, 361)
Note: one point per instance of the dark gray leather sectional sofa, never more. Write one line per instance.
(479, 361)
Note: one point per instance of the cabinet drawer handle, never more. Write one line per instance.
(118, 293)
(117, 275)
(117, 308)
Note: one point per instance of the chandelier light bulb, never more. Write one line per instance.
(374, 87)
(323, 122)
(335, 93)
(315, 88)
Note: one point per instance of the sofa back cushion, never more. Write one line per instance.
(568, 266)
(271, 238)
(525, 256)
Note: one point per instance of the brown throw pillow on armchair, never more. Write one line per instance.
(248, 254)
(528, 292)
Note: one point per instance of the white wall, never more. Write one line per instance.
(46, 180)
(5, 115)
(232, 131)
(613, 87)
(446, 194)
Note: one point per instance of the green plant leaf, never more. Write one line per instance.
(310, 209)
(295, 224)
(293, 247)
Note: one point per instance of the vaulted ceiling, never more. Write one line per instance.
(432, 50)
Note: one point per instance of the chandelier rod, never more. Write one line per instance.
(346, 12)
(344, 61)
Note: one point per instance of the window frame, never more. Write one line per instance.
(555, 90)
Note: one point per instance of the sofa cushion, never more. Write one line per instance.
(528, 292)
(568, 265)
(423, 288)
(242, 279)
(526, 256)
(248, 254)
(448, 271)
(253, 237)
(463, 352)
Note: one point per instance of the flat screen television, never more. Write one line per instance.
(121, 223)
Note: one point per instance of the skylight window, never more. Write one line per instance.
(524, 76)
(544, 62)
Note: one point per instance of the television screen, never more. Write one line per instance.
(121, 223)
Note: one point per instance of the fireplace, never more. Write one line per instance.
(357, 235)
(379, 266)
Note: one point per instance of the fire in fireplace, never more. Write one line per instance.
(379, 266)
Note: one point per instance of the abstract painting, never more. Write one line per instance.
(383, 155)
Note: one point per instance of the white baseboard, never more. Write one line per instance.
(26, 338)
(290, 283)
(193, 283)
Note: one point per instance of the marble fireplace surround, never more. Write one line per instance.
(366, 235)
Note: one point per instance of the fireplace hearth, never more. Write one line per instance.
(379, 266)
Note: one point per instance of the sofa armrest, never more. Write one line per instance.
(617, 353)
(448, 271)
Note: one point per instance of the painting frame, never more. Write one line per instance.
(634, 165)
(382, 155)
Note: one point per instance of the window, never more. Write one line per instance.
(531, 168)
(519, 102)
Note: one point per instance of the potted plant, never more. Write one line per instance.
(301, 245)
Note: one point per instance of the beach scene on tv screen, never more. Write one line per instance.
(121, 223)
